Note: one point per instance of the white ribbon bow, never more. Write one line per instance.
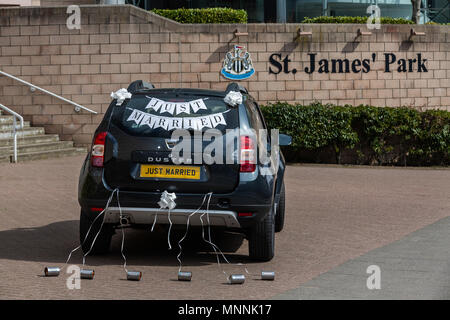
(167, 200)
(233, 98)
(121, 95)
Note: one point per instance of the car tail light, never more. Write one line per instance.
(245, 214)
(96, 209)
(98, 149)
(247, 159)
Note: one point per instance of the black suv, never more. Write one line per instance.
(137, 160)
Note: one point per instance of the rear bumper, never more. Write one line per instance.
(222, 218)
(255, 197)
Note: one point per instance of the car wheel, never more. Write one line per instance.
(103, 241)
(279, 217)
(261, 241)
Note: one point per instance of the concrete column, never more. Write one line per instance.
(325, 7)
(259, 11)
(112, 2)
(281, 11)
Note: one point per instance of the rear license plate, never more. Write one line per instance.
(170, 172)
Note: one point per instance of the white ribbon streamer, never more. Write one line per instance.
(123, 234)
(214, 246)
(167, 201)
(90, 227)
(187, 229)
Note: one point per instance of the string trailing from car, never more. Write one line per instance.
(167, 201)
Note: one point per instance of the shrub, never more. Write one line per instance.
(357, 20)
(438, 24)
(207, 15)
(362, 134)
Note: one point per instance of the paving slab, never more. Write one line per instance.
(334, 214)
(414, 267)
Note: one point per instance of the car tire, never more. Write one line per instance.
(279, 217)
(261, 241)
(103, 241)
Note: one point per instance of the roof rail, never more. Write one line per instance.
(139, 85)
(236, 87)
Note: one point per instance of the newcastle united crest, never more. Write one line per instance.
(237, 64)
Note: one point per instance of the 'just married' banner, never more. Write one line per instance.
(175, 107)
(172, 123)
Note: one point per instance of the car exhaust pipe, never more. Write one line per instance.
(51, 271)
(236, 279)
(268, 275)
(184, 276)
(134, 275)
(87, 274)
(125, 220)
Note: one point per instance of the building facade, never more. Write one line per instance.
(297, 63)
(293, 11)
(280, 11)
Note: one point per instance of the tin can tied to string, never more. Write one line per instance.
(268, 275)
(131, 275)
(87, 274)
(184, 276)
(134, 275)
(51, 271)
(236, 279)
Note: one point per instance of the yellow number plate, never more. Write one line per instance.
(174, 172)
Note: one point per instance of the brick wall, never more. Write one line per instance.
(119, 44)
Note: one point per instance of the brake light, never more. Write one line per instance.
(247, 159)
(98, 149)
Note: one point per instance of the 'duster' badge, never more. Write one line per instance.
(237, 64)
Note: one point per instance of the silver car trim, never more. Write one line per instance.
(177, 216)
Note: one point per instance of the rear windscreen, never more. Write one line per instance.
(158, 114)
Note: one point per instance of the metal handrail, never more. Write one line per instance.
(15, 116)
(78, 107)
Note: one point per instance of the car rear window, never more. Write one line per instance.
(158, 114)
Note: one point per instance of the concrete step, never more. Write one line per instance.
(38, 147)
(29, 131)
(27, 140)
(10, 126)
(4, 158)
(32, 143)
(49, 154)
(6, 119)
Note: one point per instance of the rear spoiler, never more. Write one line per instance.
(139, 85)
(236, 87)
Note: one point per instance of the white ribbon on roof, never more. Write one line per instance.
(121, 95)
(233, 98)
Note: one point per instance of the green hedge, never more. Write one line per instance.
(207, 15)
(362, 134)
(358, 20)
(438, 24)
